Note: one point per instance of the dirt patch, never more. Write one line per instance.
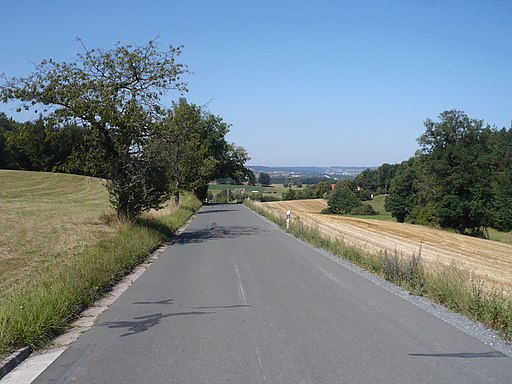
(489, 260)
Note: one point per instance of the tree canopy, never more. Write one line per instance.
(191, 143)
(264, 178)
(460, 178)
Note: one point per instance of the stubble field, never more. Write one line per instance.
(490, 261)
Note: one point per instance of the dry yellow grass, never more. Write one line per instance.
(43, 218)
(489, 260)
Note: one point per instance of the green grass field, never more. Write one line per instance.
(61, 247)
(45, 217)
(378, 204)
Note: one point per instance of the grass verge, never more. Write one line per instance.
(449, 286)
(33, 313)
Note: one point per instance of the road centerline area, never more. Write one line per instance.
(273, 310)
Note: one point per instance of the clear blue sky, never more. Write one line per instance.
(302, 82)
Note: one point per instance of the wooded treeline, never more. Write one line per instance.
(36, 146)
(460, 178)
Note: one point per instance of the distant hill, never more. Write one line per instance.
(334, 172)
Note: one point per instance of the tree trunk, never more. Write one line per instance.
(177, 194)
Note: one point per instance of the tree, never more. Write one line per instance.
(455, 156)
(342, 200)
(501, 184)
(264, 179)
(179, 146)
(191, 144)
(323, 189)
(116, 95)
(368, 179)
(402, 198)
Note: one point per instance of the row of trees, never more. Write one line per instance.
(376, 181)
(145, 151)
(461, 178)
(36, 146)
(318, 191)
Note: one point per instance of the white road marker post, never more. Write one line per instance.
(288, 218)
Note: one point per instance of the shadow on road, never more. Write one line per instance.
(216, 211)
(463, 355)
(143, 323)
(162, 302)
(215, 233)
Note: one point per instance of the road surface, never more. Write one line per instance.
(236, 300)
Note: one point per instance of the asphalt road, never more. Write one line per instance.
(236, 300)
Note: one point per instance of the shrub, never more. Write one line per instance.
(365, 210)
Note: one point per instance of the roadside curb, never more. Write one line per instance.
(14, 360)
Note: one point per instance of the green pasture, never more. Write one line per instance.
(61, 247)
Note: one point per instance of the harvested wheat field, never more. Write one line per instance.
(487, 259)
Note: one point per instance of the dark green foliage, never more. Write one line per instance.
(38, 145)
(402, 198)
(363, 210)
(363, 194)
(264, 179)
(461, 178)
(6, 127)
(376, 181)
(318, 191)
(456, 151)
(343, 199)
(191, 144)
(501, 185)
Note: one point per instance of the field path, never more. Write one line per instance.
(490, 260)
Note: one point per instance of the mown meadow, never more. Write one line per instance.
(62, 247)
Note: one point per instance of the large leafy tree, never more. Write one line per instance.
(343, 199)
(7, 126)
(264, 178)
(191, 144)
(456, 150)
(116, 95)
(501, 144)
(401, 200)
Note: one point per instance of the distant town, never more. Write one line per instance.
(335, 172)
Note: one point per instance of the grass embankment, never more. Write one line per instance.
(60, 250)
(451, 287)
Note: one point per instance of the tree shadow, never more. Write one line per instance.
(224, 306)
(162, 302)
(215, 232)
(216, 211)
(170, 302)
(143, 323)
(463, 355)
